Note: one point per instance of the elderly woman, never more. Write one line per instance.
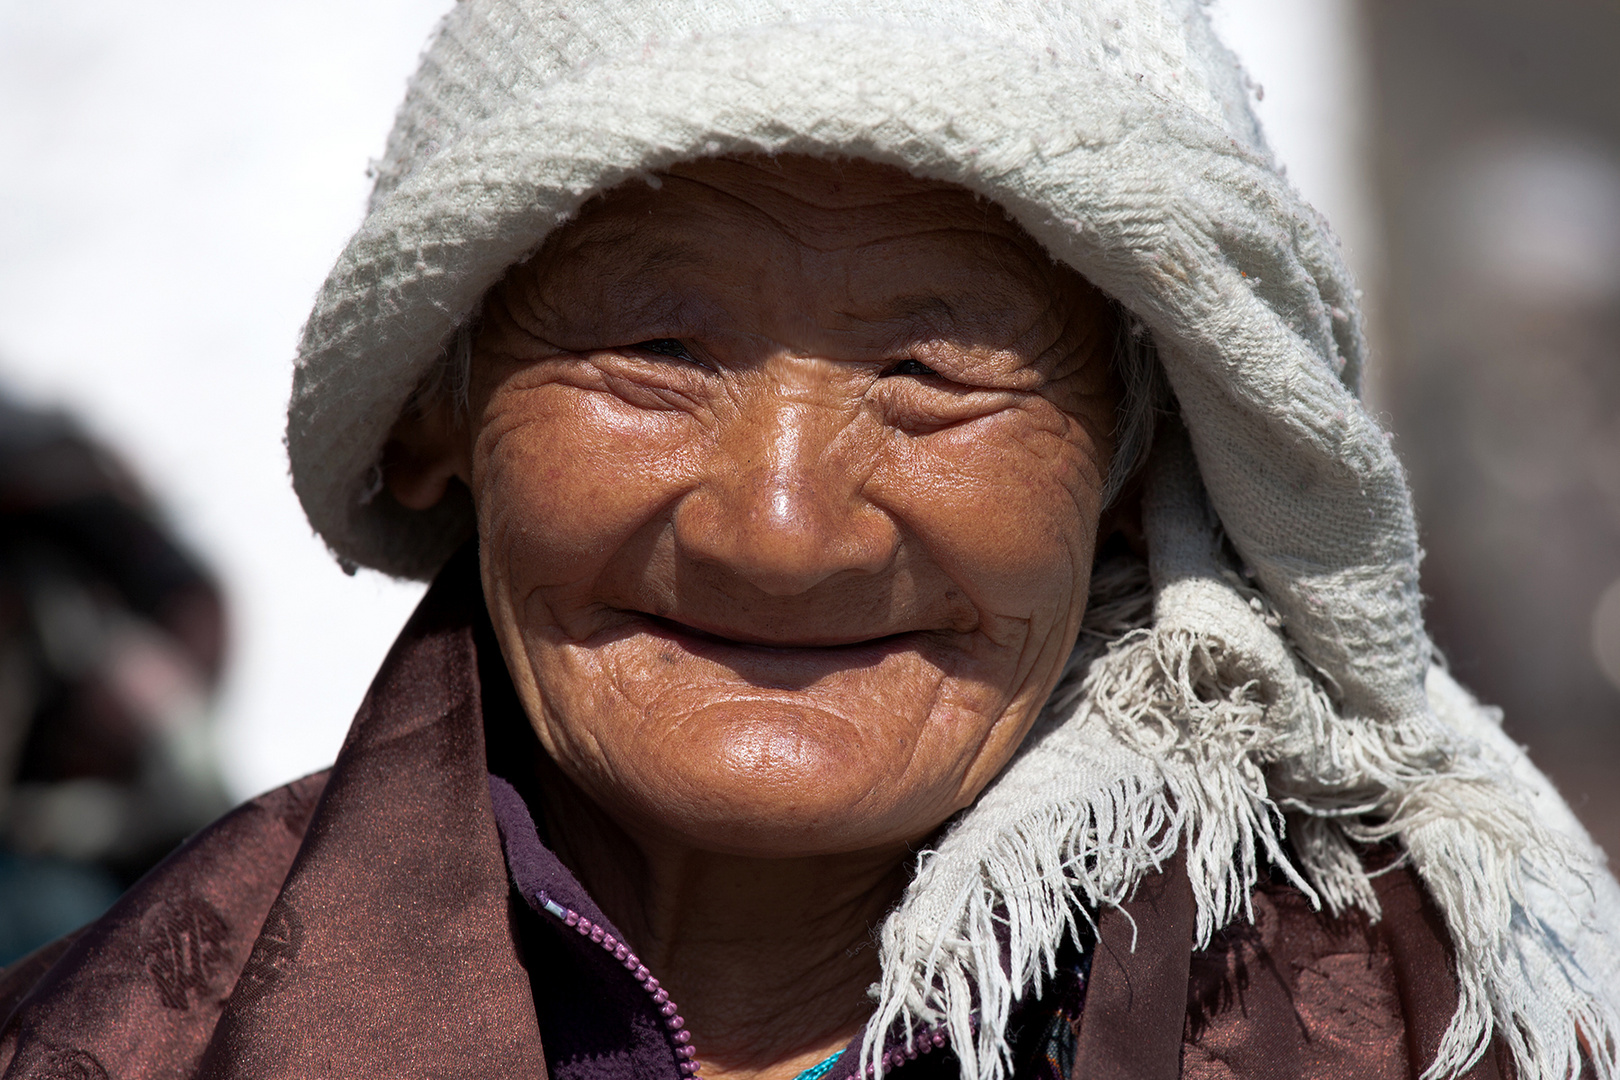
(913, 584)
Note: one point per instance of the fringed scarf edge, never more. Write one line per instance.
(1221, 745)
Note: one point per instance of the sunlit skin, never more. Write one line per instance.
(788, 480)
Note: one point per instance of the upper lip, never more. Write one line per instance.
(726, 635)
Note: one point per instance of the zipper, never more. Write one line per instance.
(926, 1041)
(685, 1054)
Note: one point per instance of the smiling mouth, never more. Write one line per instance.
(739, 640)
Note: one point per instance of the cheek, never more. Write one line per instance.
(1007, 506)
(563, 477)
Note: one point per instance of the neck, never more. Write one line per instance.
(769, 959)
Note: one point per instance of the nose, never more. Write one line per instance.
(781, 503)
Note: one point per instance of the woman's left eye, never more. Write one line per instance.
(909, 366)
(665, 346)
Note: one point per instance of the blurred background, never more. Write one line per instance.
(176, 178)
(1496, 150)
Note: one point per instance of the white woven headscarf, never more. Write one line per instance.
(1283, 679)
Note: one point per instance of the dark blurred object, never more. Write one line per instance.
(111, 640)
(1498, 126)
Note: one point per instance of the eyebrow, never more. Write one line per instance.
(928, 308)
(919, 305)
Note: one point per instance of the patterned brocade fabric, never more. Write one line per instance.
(1045, 1047)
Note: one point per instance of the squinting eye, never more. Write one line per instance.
(664, 346)
(908, 366)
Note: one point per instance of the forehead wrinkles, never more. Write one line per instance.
(821, 242)
(609, 261)
(869, 230)
(837, 206)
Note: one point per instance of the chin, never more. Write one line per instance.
(784, 783)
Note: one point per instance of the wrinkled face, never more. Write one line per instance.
(788, 482)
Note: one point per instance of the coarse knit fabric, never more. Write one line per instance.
(400, 915)
(1278, 704)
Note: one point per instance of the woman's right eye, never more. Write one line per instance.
(665, 346)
